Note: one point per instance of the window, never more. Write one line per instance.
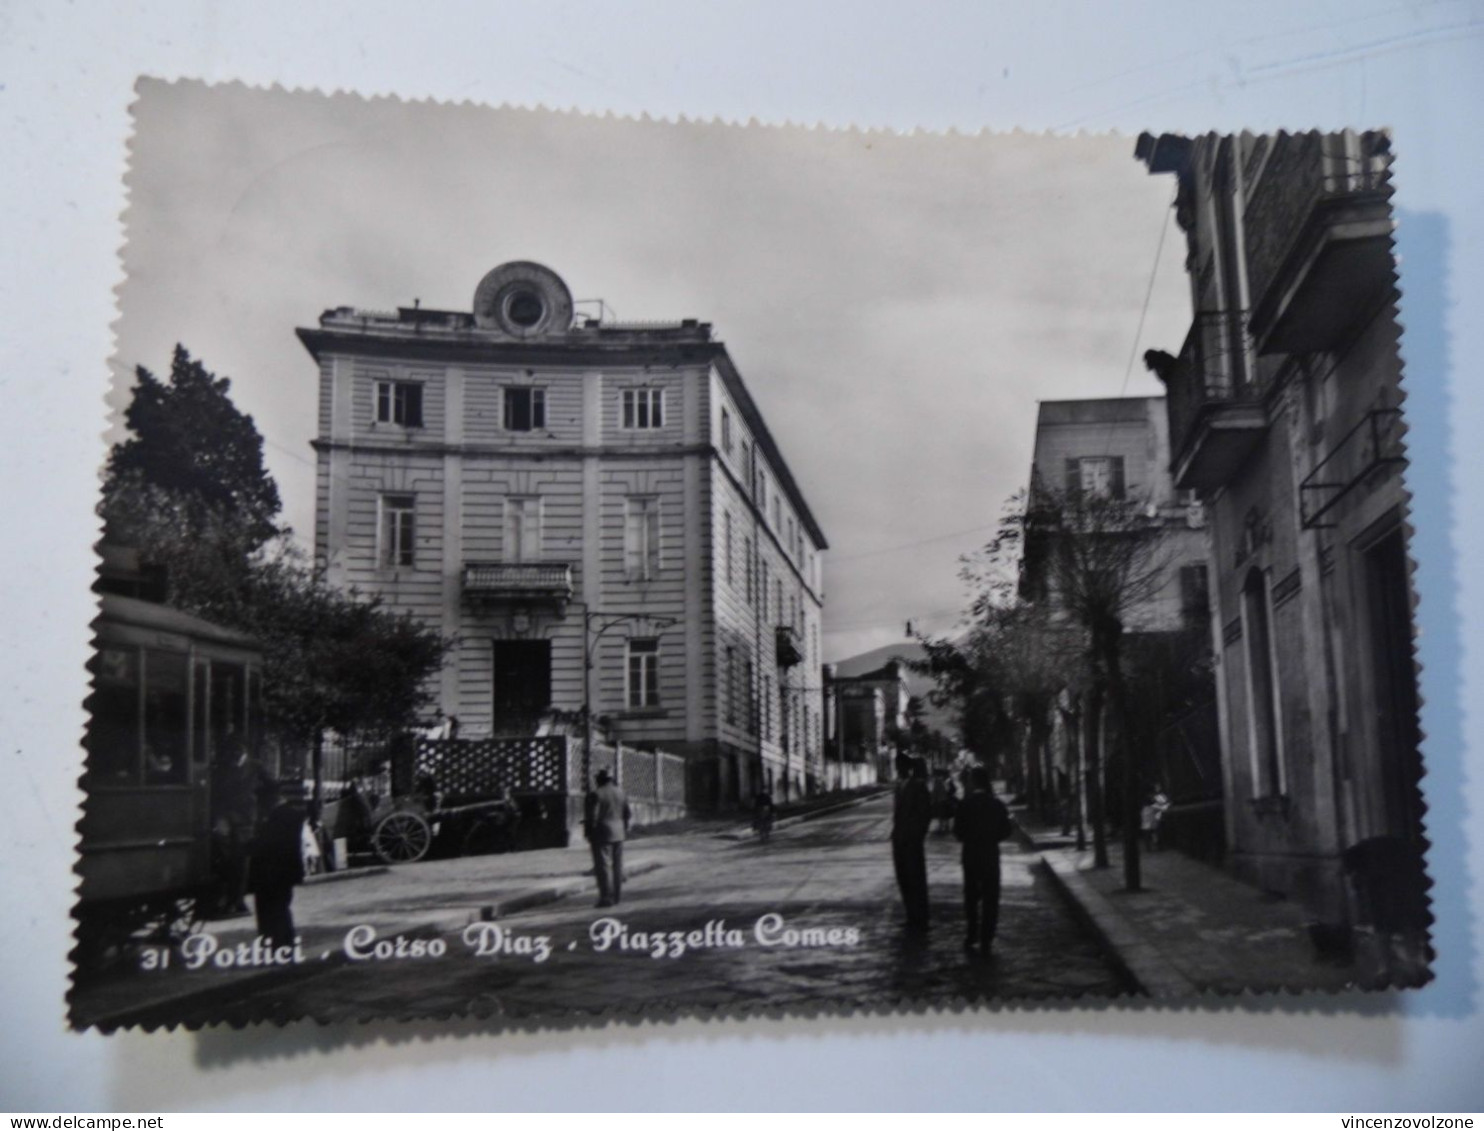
(726, 431)
(641, 537)
(747, 553)
(730, 686)
(399, 402)
(525, 409)
(644, 408)
(729, 546)
(777, 514)
(397, 530)
(749, 676)
(1194, 595)
(523, 529)
(1096, 475)
(644, 674)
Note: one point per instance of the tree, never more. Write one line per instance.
(1093, 558)
(1002, 674)
(189, 490)
(1051, 591)
(191, 442)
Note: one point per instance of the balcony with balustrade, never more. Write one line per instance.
(1318, 239)
(522, 582)
(789, 645)
(1217, 417)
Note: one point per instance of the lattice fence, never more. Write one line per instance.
(638, 773)
(475, 769)
(671, 770)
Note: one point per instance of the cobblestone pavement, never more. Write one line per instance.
(831, 874)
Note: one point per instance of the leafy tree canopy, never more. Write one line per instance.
(189, 490)
(190, 443)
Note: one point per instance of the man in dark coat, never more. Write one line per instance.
(239, 790)
(276, 867)
(912, 815)
(982, 821)
(607, 826)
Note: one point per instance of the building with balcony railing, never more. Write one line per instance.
(596, 511)
(1284, 415)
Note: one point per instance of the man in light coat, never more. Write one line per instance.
(606, 825)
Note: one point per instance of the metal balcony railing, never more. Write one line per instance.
(518, 579)
(1209, 371)
(1304, 174)
(789, 645)
(1374, 443)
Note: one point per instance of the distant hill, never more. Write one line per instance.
(918, 685)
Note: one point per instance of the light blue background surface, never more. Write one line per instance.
(66, 76)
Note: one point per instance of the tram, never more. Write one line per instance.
(171, 691)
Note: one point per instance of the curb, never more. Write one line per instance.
(745, 832)
(157, 1011)
(346, 874)
(1136, 958)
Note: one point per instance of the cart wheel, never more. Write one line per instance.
(401, 838)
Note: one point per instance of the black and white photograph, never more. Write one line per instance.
(561, 567)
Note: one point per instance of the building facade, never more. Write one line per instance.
(1070, 758)
(1119, 448)
(595, 511)
(871, 708)
(1284, 408)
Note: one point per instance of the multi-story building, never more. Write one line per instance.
(1118, 449)
(596, 511)
(870, 708)
(1284, 409)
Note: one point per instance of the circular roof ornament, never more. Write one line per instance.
(524, 300)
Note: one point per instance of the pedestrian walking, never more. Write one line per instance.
(912, 816)
(606, 825)
(763, 814)
(1151, 816)
(981, 823)
(276, 866)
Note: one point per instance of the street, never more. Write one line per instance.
(826, 882)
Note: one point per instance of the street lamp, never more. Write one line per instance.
(590, 641)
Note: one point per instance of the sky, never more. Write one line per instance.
(897, 304)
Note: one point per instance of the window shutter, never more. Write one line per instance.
(1117, 477)
(1074, 476)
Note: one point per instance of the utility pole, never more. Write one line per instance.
(590, 643)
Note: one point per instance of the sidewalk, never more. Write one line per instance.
(1193, 928)
(412, 900)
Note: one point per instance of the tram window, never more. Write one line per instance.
(226, 709)
(165, 705)
(254, 713)
(113, 731)
(200, 731)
